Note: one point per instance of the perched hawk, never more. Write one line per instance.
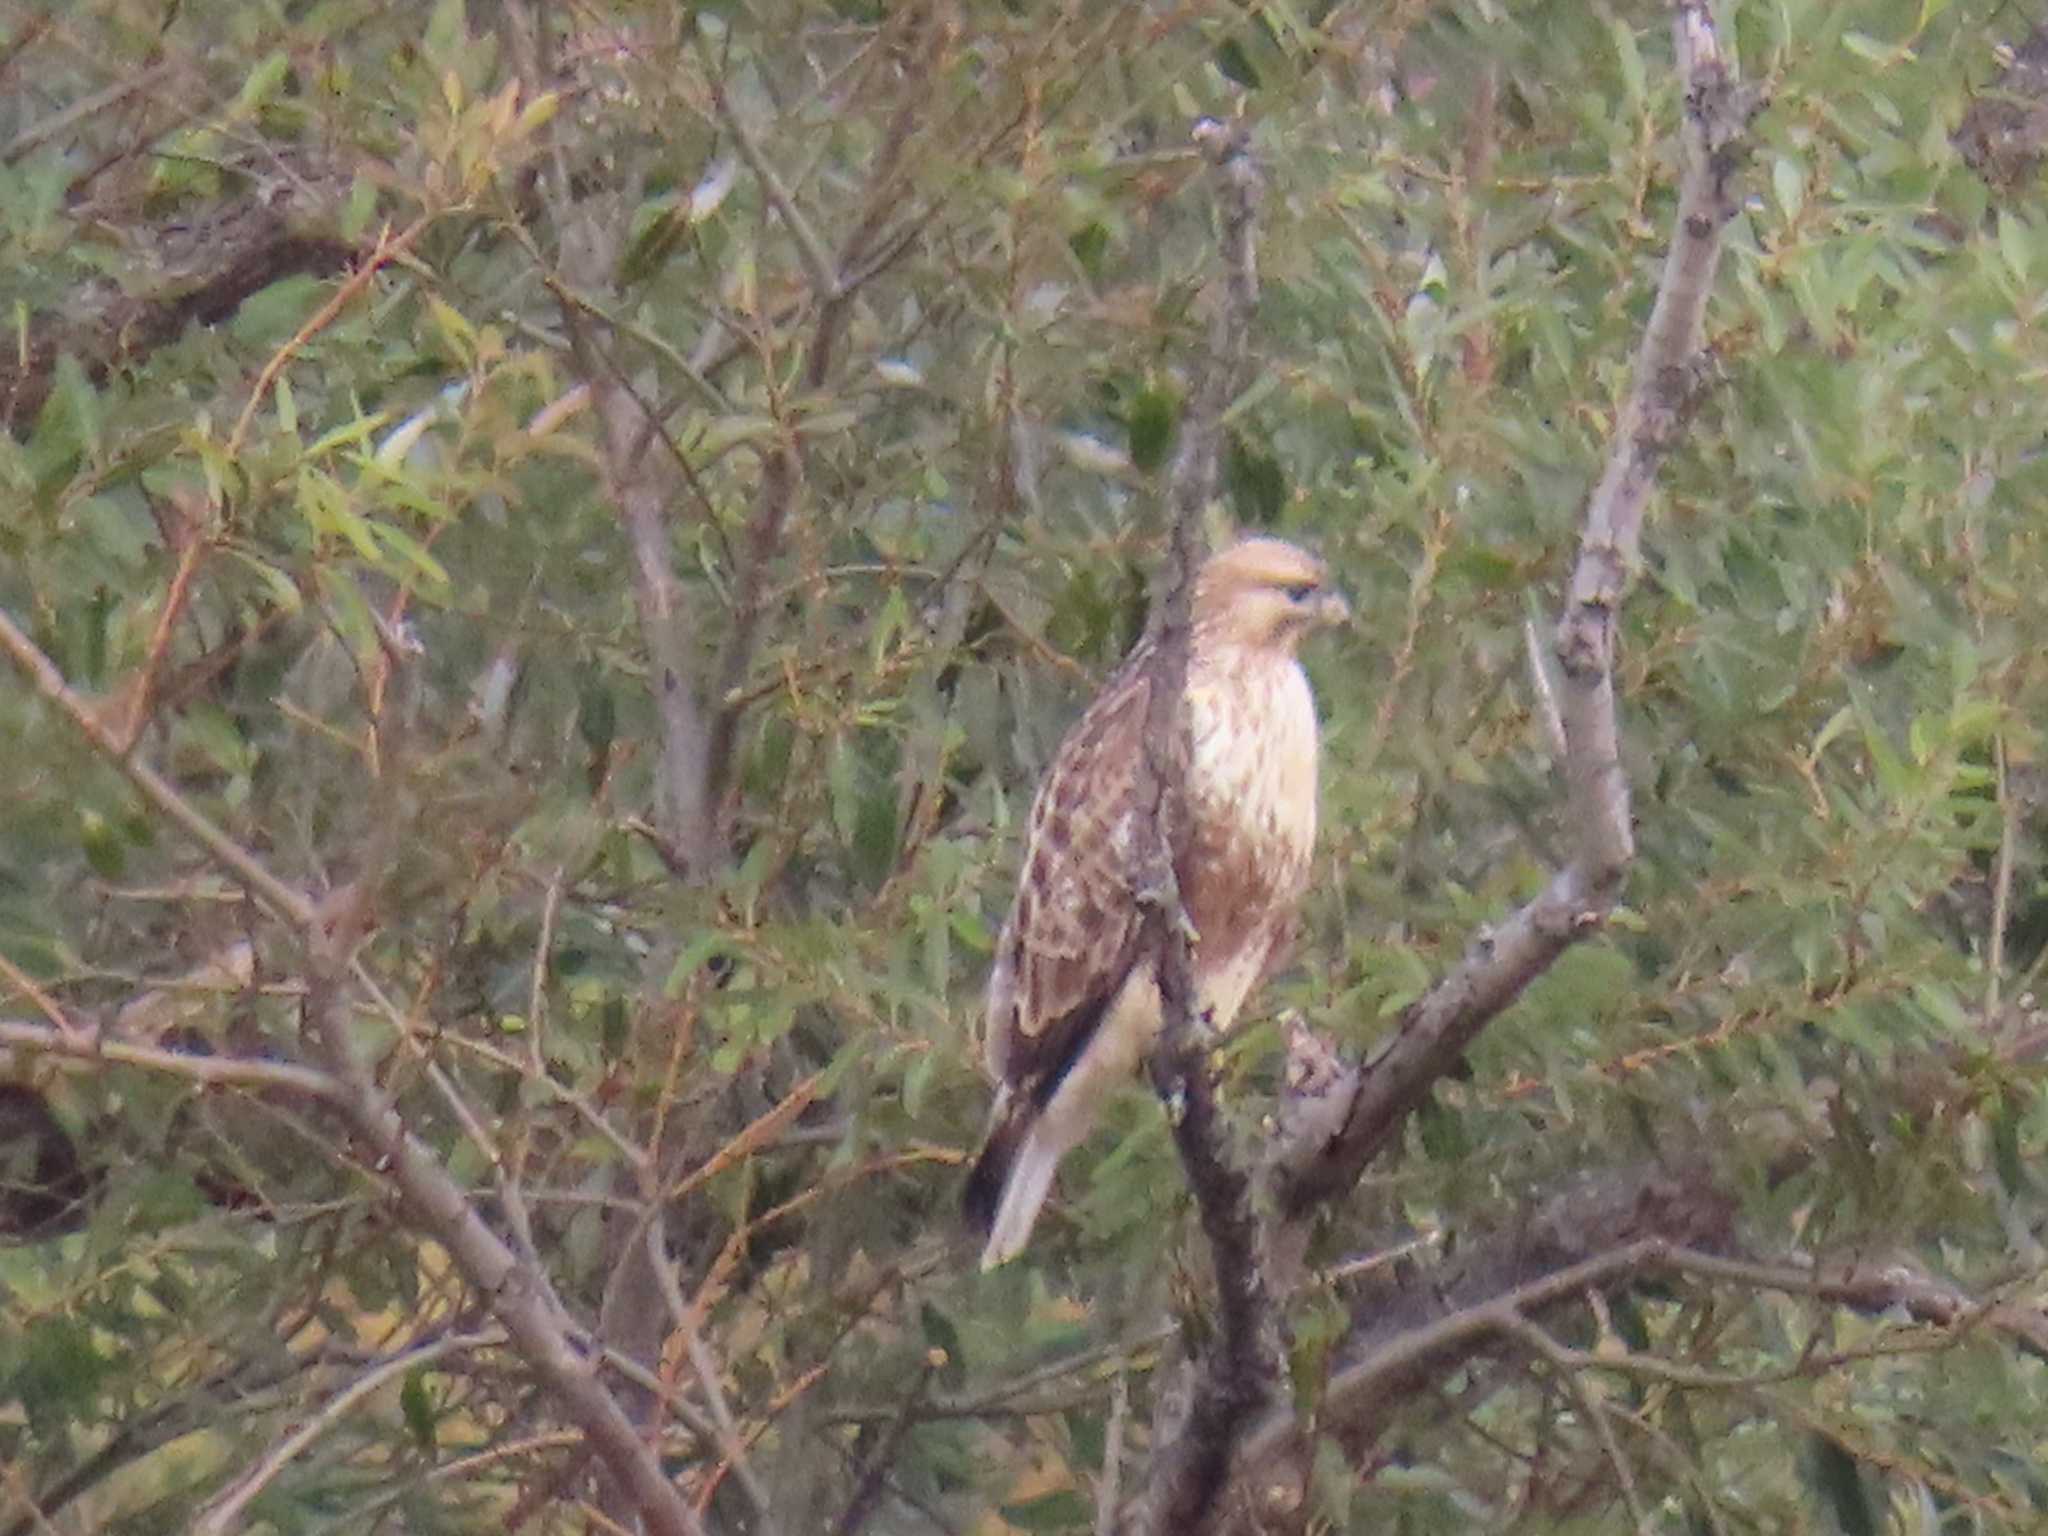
(1073, 1001)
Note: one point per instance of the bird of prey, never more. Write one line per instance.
(1073, 999)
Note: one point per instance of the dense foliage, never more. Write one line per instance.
(664, 780)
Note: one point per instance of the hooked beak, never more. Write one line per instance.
(1332, 610)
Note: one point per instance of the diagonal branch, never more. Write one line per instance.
(514, 1287)
(517, 1292)
(819, 267)
(290, 906)
(1501, 962)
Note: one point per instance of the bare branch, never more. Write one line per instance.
(210, 1071)
(683, 1319)
(2009, 814)
(685, 812)
(1545, 691)
(867, 1492)
(1501, 962)
(388, 248)
(1601, 1234)
(1108, 1490)
(1238, 1371)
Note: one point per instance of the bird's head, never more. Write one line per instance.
(1265, 593)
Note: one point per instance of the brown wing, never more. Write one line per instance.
(1074, 929)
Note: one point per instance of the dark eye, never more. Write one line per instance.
(1301, 592)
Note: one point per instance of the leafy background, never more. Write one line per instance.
(407, 646)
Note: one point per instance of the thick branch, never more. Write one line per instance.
(834, 280)
(1239, 1370)
(640, 486)
(195, 271)
(1501, 962)
(1605, 1233)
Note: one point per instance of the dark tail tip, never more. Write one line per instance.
(983, 1194)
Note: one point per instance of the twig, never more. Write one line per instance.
(1108, 1490)
(17, 1487)
(2001, 884)
(290, 905)
(867, 1492)
(1546, 693)
(517, 1291)
(683, 1318)
(818, 264)
(386, 250)
(537, 992)
(143, 699)
(223, 1514)
(1566, 1364)
(632, 1155)
(762, 1129)
(40, 133)
(45, 1004)
(835, 282)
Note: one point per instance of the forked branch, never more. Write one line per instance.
(1501, 961)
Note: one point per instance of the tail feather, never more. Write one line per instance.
(1010, 1181)
(1030, 1182)
(984, 1191)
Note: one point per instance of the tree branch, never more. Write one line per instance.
(684, 811)
(1236, 1373)
(195, 270)
(1501, 962)
(209, 1071)
(285, 903)
(516, 1290)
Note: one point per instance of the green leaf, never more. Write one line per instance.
(1788, 184)
(1630, 57)
(106, 852)
(597, 720)
(1255, 482)
(1150, 423)
(1065, 1510)
(261, 84)
(1088, 243)
(1236, 65)
(940, 1334)
(416, 1405)
(267, 318)
(1443, 1133)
